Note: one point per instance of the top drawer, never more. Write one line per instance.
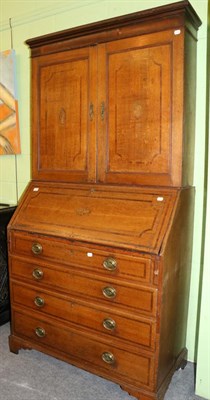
(96, 259)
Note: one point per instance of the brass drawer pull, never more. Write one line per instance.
(37, 273)
(109, 323)
(39, 301)
(110, 263)
(109, 292)
(40, 332)
(36, 248)
(108, 357)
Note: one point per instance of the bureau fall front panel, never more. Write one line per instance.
(132, 218)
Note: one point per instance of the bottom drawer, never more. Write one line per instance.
(133, 368)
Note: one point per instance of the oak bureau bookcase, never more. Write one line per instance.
(100, 244)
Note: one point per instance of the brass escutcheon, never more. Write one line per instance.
(37, 273)
(39, 301)
(110, 263)
(109, 324)
(36, 248)
(108, 357)
(40, 332)
(109, 292)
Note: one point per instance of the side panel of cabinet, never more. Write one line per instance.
(63, 128)
(189, 107)
(140, 121)
(174, 294)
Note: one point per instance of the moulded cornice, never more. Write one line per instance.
(182, 13)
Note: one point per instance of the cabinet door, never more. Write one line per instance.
(63, 116)
(140, 122)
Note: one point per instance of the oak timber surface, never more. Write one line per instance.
(135, 219)
(100, 245)
(112, 105)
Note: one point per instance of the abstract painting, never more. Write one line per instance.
(9, 123)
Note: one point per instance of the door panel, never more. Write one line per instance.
(136, 133)
(64, 127)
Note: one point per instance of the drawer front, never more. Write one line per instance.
(132, 367)
(97, 260)
(133, 330)
(143, 299)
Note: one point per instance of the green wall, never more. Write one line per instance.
(203, 344)
(34, 18)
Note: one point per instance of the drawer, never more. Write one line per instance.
(110, 291)
(88, 350)
(97, 259)
(139, 331)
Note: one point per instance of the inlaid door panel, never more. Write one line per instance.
(136, 129)
(66, 136)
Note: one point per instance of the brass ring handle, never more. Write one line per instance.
(40, 332)
(37, 273)
(39, 301)
(109, 324)
(110, 264)
(109, 292)
(36, 248)
(108, 357)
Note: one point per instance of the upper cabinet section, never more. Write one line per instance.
(113, 102)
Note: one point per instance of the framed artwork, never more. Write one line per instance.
(9, 124)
